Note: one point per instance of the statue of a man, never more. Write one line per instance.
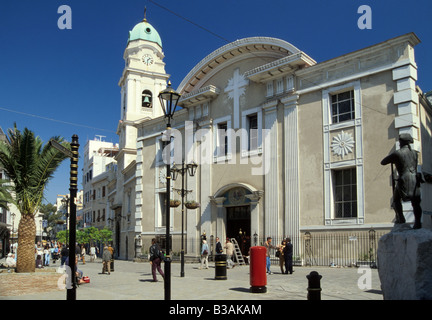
(408, 184)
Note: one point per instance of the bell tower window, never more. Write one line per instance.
(146, 99)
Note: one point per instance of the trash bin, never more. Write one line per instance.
(258, 275)
(220, 267)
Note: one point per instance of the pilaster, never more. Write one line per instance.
(271, 179)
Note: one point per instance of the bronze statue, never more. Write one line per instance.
(407, 187)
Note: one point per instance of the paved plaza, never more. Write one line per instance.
(133, 281)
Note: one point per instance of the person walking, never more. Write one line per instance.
(55, 253)
(204, 254)
(47, 254)
(111, 249)
(288, 255)
(92, 253)
(229, 253)
(106, 260)
(64, 254)
(156, 259)
(83, 253)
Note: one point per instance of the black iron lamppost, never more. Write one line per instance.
(73, 188)
(191, 169)
(65, 202)
(168, 100)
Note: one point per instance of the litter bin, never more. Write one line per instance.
(258, 275)
(220, 267)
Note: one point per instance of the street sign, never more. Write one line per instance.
(61, 148)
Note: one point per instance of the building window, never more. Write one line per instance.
(290, 83)
(222, 146)
(162, 200)
(128, 203)
(252, 127)
(345, 193)
(279, 86)
(270, 89)
(342, 106)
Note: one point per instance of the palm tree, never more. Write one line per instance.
(29, 165)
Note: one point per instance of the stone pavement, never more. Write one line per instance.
(133, 281)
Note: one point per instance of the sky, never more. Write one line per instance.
(61, 82)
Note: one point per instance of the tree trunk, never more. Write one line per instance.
(26, 244)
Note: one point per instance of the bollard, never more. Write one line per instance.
(112, 264)
(258, 275)
(314, 287)
(220, 267)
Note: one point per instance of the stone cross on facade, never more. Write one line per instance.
(236, 87)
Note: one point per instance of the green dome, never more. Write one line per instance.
(145, 31)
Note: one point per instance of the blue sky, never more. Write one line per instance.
(64, 82)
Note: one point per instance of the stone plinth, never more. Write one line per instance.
(405, 263)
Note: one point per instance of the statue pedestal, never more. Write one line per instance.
(405, 263)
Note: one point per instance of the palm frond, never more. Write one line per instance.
(30, 165)
(5, 193)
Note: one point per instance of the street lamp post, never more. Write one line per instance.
(73, 188)
(65, 202)
(191, 169)
(168, 99)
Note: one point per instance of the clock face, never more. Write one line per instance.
(147, 59)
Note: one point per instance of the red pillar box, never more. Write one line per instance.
(258, 275)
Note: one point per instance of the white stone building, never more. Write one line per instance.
(286, 146)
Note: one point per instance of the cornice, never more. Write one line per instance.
(253, 45)
(199, 96)
(280, 67)
(410, 38)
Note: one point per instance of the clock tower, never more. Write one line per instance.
(142, 79)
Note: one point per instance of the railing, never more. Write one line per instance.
(313, 248)
(334, 249)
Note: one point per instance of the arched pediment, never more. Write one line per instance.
(224, 189)
(270, 48)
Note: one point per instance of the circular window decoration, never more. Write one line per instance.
(342, 144)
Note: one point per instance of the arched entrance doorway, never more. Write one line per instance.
(238, 217)
(236, 213)
(238, 226)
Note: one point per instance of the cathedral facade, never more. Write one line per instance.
(285, 145)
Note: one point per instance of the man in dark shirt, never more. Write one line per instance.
(219, 249)
(288, 255)
(64, 253)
